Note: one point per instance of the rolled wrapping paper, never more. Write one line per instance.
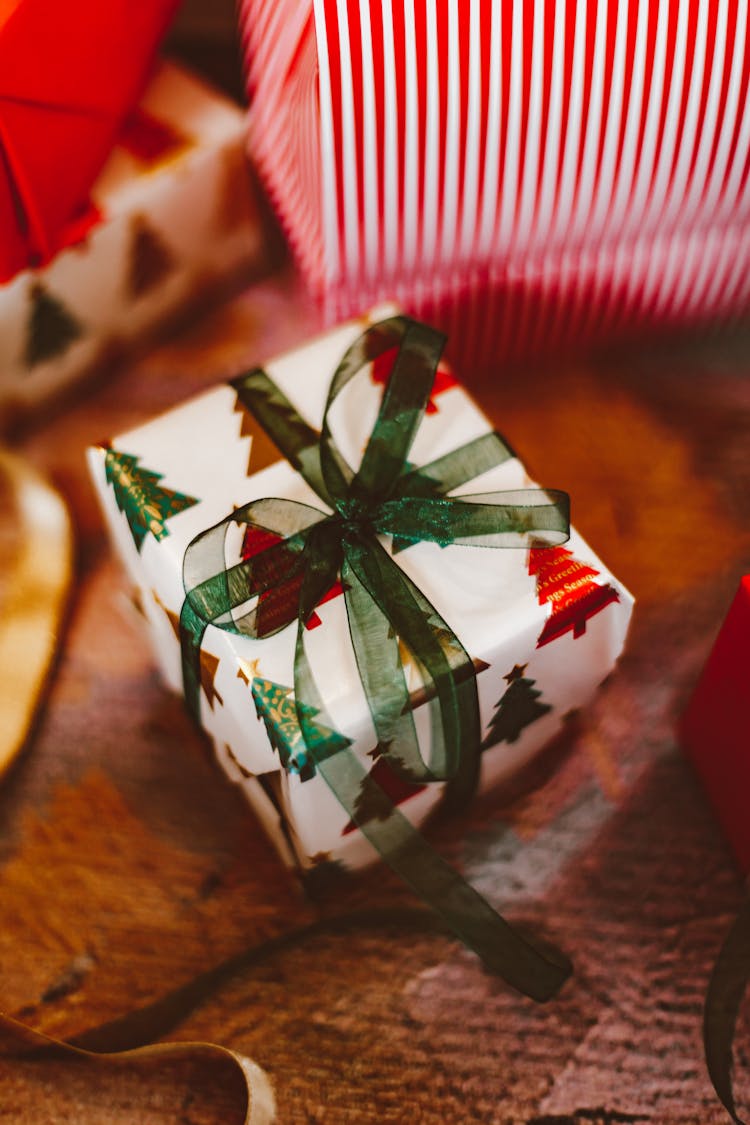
(36, 566)
(525, 175)
(20, 1043)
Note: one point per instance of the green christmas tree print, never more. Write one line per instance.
(146, 505)
(52, 329)
(276, 707)
(380, 791)
(516, 709)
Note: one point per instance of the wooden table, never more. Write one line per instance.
(129, 865)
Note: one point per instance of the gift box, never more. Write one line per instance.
(534, 629)
(71, 73)
(170, 219)
(529, 177)
(714, 728)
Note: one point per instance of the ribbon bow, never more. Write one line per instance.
(312, 549)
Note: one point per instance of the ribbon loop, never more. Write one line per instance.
(492, 519)
(386, 610)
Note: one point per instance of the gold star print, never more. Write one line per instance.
(516, 673)
(248, 670)
(209, 668)
(172, 618)
(208, 662)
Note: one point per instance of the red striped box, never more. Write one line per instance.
(527, 174)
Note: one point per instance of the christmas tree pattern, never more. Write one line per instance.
(570, 587)
(256, 393)
(263, 451)
(380, 791)
(278, 606)
(151, 260)
(52, 328)
(209, 668)
(236, 762)
(323, 875)
(147, 507)
(382, 365)
(272, 785)
(279, 714)
(209, 662)
(516, 709)
(235, 194)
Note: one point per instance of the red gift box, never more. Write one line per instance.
(69, 74)
(715, 729)
(525, 175)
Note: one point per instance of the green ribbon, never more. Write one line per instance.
(728, 984)
(385, 497)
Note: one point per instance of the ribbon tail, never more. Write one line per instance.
(455, 468)
(462, 908)
(21, 1043)
(383, 604)
(471, 918)
(727, 986)
(192, 631)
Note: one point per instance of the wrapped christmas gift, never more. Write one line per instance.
(169, 218)
(71, 73)
(714, 728)
(357, 643)
(526, 175)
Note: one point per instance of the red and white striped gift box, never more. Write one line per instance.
(529, 173)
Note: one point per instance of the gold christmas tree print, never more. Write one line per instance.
(209, 662)
(237, 763)
(516, 709)
(570, 587)
(263, 450)
(51, 330)
(275, 705)
(146, 505)
(209, 668)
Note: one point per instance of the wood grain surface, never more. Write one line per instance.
(129, 865)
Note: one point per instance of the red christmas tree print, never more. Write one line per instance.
(382, 366)
(381, 790)
(279, 605)
(569, 586)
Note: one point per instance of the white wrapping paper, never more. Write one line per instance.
(542, 634)
(172, 219)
